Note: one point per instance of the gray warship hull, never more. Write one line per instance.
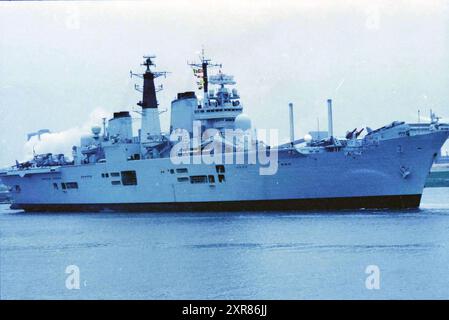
(371, 178)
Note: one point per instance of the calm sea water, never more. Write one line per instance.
(228, 256)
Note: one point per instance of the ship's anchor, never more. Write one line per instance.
(405, 172)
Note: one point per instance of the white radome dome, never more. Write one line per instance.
(243, 122)
(308, 138)
(96, 130)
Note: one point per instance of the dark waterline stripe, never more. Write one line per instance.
(371, 202)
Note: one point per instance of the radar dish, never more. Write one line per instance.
(242, 122)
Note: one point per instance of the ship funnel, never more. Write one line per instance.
(120, 127)
(292, 127)
(329, 118)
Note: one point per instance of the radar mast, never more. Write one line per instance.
(200, 71)
(150, 132)
(149, 89)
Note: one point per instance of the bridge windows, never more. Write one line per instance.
(183, 179)
(198, 179)
(220, 168)
(129, 178)
(72, 185)
(69, 185)
(181, 170)
(221, 178)
(135, 156)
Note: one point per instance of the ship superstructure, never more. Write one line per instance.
(112, 169)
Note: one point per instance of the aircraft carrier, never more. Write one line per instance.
(211, 159)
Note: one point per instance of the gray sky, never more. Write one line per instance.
(380, 61)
